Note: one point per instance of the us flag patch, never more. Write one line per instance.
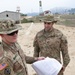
(3, 66)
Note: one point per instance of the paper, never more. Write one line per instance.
(48, 66)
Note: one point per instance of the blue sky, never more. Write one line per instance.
(28, 6)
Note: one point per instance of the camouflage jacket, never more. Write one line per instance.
(51, 43)
(13, 59)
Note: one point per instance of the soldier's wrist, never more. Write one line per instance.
(35, 58)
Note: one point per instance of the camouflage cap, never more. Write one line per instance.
(49, 18)
(8, 26)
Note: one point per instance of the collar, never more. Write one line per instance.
(48, 31)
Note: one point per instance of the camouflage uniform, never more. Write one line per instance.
(12, 59)
(16, 57)
(50, 44)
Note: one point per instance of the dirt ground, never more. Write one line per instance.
(26, 37)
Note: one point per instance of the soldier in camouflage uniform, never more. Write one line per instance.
(12, 58)
(51, 42)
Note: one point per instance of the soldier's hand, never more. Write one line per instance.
(39, 58)
(62, 70)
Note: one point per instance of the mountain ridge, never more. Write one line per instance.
(59, 10)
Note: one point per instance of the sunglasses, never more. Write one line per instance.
(47, 23)
(11, 34)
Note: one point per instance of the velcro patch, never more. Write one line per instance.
(3, 66)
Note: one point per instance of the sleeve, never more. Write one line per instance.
(64, 49)
(29, 59)
(36, 47)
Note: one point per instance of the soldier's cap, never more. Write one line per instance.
(8, 26)
(49, 18)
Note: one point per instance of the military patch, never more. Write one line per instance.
(7, 71)
(3, 66)
(4, 69)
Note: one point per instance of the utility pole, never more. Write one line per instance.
(40, 7)
(18, 10)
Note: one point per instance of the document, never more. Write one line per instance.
(48, 66)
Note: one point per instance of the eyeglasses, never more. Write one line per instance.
(47, 23)
(11, 34)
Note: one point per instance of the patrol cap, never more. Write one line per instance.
(8, 26)
(49, 18)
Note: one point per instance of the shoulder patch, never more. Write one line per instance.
(64, 38)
